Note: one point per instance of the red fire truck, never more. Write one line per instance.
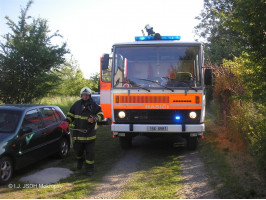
(155, 88)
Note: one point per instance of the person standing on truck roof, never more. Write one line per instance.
(85, 114)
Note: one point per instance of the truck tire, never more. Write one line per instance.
(192, 143)
(125, 142)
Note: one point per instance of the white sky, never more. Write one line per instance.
(90, 27)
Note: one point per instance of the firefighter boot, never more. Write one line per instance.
(80, 163)
(89, 170)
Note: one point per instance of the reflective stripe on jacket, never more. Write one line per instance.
(79, 114)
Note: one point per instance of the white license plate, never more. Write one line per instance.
(157, 128)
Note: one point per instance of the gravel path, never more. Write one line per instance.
(116, 179)
(195, 179)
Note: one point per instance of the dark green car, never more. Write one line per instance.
(29, 133)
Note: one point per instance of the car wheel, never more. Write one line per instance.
(63, 148)
(6, 169)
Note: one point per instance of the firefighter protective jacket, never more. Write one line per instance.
(79, 114)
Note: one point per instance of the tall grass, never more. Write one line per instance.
(63, 102)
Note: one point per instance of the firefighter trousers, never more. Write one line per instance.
(88, 147)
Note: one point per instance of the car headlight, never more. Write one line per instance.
(121, 114)
(193, 115)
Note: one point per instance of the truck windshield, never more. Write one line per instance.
(156, 67)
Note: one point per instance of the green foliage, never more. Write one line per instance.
(28, 60)
(251, 75)
(221, 42)
(230, 27)
(64, 102)
(240, 91)
(248, 19)
(72, 80)
(94, 82)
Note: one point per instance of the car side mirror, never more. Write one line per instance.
(208, 76)
(105, 62)
(26, 130)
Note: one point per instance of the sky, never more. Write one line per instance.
(91, 27)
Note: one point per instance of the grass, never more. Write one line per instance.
(231, 172)
(64, 102)
(158, 176)
(77, 185)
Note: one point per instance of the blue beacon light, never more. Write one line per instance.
(178, 117)
(145, 38)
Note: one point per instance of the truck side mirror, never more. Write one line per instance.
(105, 62)
(208, 77)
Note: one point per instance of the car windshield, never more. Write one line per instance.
(157, 67)
(96, 99)
(9, 120)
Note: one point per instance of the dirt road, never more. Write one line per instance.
(195, 180)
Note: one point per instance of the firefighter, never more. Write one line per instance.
(85, 114)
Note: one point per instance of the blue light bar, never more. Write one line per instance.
(145, 38)
(170, 37)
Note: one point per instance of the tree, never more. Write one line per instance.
(94, 82)
(237, 27)
(230, 27)
(28, 60)
(220, 41)
(72, 80)
(248, 19)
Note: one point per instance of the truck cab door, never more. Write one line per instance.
(105, 85)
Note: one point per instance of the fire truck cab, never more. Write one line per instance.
(155, 88)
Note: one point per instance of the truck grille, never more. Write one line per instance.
(157, 117)
(142, 99)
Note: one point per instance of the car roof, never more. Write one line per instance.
(23, 106)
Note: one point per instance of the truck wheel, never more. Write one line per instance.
(63, 148)
(125, 142)
(6, 170)
(192, 143)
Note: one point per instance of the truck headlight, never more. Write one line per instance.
(121, 114)
(193, 115)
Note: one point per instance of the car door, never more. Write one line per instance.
(31, 145)
(52, 132)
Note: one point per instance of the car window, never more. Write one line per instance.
(32, 119)
(48, 116)
(57, 115)
(96, 99)
(9, 120)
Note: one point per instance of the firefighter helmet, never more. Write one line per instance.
(85, 90)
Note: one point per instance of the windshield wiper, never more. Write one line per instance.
(133, 84)
(181, 82)
(157, 83)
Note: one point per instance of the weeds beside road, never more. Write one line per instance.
(233, 173)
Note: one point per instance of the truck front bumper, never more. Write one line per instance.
(158, 128)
